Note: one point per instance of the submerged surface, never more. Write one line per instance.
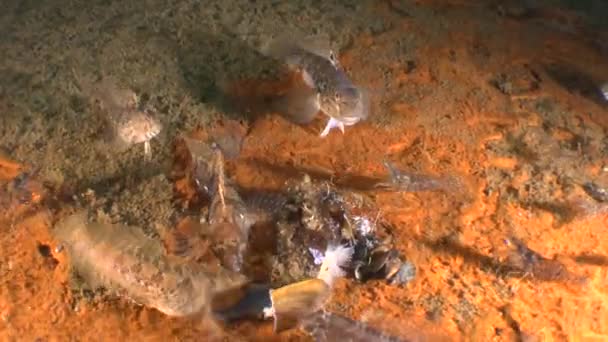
(506, 98)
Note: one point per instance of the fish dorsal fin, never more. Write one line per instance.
(287, 44)
(320, 46)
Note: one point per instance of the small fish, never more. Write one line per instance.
(136, 127)
(330, 89)
(124, 260)
(128, 122)
(526, 260)
(412, 182)
(229, 220)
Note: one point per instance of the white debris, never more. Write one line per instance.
(363, 225)
(317, 255)
(335, 258)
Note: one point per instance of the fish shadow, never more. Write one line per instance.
(576, 81)
(210, 59)
(446, 245)
(592, 259)
(520, 264)
(126, 178)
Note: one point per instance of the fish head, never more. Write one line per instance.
(137, 127)
(346, 104)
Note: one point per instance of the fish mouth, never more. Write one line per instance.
(354, 115)
(350, 120)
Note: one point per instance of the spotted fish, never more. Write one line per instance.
(136, 127)
(128, 123)
(125, 261)
(329, 89)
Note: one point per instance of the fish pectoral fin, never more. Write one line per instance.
(308, 79)
(300, 105)
(331, 124)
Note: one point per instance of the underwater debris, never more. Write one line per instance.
(128, 123)
(318, 219)
(128, 263)
(596, 192)
(308, 224)
(411, 182)
(380, 262)
(400, 273)
(335, 258)
(19, 195)
(17, 189)
(363, 225)
(255, 304)
(374, 263)
(294, 302)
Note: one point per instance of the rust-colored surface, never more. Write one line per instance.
(457, 241)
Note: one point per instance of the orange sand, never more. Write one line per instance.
(457, 291)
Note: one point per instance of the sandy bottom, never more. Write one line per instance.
(507, 102)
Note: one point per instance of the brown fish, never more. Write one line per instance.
(128, 123)
(124, 260)
(329, 89)
(229, 220)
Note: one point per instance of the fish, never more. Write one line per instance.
(412, 182)
(229, 221)
(202, 154)
(127, 262)
(135, 127)
(229, 218)
(523, 259)
(328, 87)
(265, 205)
(128, 123)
